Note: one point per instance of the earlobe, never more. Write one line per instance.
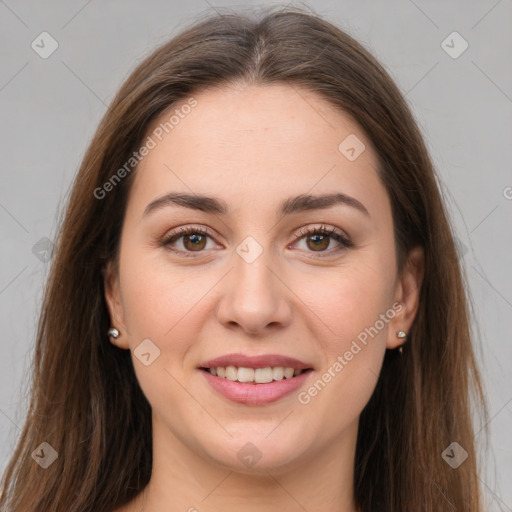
(117, 333)
(408, 295)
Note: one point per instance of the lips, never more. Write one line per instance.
(255, 380)
(262, 361)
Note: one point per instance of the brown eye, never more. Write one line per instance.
(194, 242)
(318, 242)
(319, 239)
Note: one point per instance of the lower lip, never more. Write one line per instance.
(255, 394)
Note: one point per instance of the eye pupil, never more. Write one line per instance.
(196, 240)
(319, 240)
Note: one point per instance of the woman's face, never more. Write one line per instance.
(259, 286)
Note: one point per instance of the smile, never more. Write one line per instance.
(255, 386)
(254, 375)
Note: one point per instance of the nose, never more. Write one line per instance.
(255, 297)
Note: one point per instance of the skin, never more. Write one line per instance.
(254, 146)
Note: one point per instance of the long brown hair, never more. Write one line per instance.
(86, 401)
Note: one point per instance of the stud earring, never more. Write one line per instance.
(113, 333)
(401, 335)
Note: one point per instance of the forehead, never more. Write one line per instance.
(257, 144)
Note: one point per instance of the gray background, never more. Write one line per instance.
(51, 107)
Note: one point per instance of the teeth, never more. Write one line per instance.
(255, 375)
(288, 373)
(231, 373)
(278, 373)
(245, 374)
(263, 375)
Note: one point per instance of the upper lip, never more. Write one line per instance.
(261, 361)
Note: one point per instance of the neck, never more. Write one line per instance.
(183, 480)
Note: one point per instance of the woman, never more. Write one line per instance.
(256, 300)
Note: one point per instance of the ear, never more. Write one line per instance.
(407, 293)
(115, 305)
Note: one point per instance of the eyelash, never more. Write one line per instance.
(323, 230)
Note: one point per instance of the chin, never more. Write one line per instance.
(257, 453)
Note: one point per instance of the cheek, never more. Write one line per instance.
(355, 307)
(165, 304)
(348, 300)
(353, 343)
(156, 295)
(159, 305)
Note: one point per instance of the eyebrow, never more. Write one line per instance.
(300, 203)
